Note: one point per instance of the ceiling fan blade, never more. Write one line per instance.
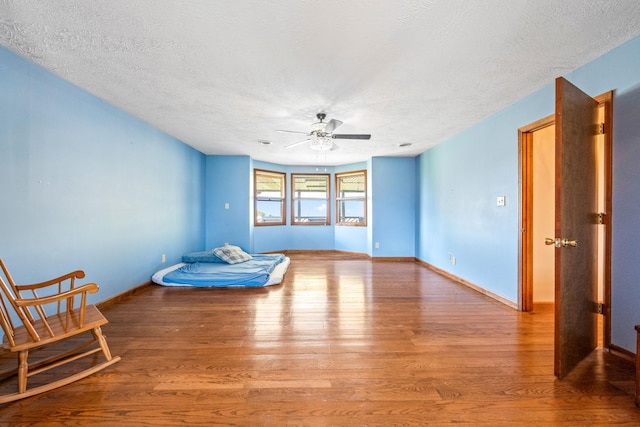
(331, 125)
(350, 136)
(295, 144)
(291, 131)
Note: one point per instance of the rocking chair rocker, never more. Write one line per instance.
(45, 320)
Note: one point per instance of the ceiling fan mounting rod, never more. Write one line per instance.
(321, 116)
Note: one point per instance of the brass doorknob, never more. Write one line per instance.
(560, 243)
(567, 242)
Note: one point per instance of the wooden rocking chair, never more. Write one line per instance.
(41, 320)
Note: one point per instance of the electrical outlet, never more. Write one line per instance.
(164, 258)
(453, 260)
(377, 245)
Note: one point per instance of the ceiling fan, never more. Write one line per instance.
(321, 136)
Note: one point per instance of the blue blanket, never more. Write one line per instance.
(254, 272)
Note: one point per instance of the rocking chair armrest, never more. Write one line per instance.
(78, 274)
(87, 288)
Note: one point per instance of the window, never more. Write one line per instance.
(351, 198)
(310, 199)
(269, 197)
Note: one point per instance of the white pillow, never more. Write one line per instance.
(231, 254)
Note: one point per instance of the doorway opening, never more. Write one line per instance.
(537, 174)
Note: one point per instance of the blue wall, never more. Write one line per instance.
(393, 206)
(270, 238)
(392, 216)
(85, 186)
(626, 213)
(228, 181)
(459, 180)
(620, 70)
(351, 238)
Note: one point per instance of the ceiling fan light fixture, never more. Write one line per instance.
(321, 136)
(318, 127)
(321, 143)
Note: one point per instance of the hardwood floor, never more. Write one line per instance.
(342, 342)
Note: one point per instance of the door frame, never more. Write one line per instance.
(525, 247)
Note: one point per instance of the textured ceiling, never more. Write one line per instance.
(223, 75)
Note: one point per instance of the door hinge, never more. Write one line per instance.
(601, 216)
(600, 308)
(601, 128)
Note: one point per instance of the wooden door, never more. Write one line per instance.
(575, 222)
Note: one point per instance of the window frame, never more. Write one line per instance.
(282, 199)
(294, 199)
(339, 199)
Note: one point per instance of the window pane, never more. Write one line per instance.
(310, 211)
(269, 185)
(269, 211)
(269, 200)
(351, 211)
(268, 194)
(351, 186)
(351, 198)
(310, 184)
(310, 196)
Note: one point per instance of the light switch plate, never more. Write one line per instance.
(501, 201)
